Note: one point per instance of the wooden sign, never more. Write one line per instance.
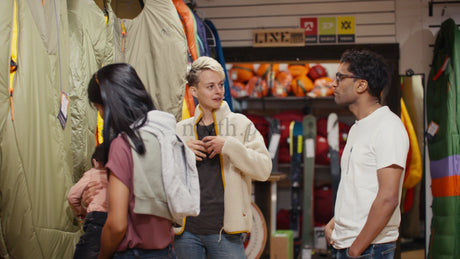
(279, 37)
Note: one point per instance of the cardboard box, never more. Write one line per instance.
(282, 244)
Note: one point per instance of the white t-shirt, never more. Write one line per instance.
(374, 142)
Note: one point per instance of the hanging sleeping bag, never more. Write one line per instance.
(186, 17)
(187, 20)
(443, 119)
(220, 57)
(154, 44)
(413, 173)
(200, 36)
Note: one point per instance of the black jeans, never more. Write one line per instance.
(90, 242)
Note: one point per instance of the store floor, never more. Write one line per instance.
(413, 248)
(414, 254)
(410, 249)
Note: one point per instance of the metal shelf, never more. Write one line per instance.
(318, 106)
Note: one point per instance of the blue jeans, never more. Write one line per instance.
(90, 242)
(136, 253)
(191, 246)
(377, 251)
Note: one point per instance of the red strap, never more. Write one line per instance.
(442, 69)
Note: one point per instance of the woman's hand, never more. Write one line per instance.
(213, 145)
(198, 147)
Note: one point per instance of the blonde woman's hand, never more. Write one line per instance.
(198, 147)
(214, 145)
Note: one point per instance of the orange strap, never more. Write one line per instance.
(442, 69)
(188, 25)
(189, 99)
(123, 33)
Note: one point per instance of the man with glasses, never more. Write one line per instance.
(367, 216)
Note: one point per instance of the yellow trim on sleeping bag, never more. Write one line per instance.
(100, 126)
(14, 55)
(100, 120)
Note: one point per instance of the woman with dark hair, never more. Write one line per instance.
(124, 96)
(127, 108)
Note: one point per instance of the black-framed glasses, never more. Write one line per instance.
(339, 77)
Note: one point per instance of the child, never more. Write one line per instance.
(95, 213)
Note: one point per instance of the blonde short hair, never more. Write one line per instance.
(203, 63)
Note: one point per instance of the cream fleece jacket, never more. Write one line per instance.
(244, 158)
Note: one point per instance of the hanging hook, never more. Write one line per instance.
(430, 8)
(192, 4)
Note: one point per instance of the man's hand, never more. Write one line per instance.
(383, 207)
(353, 253)
(214, 145)
(328, 231)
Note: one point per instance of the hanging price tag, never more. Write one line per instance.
(433, 128)
(63, 111)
